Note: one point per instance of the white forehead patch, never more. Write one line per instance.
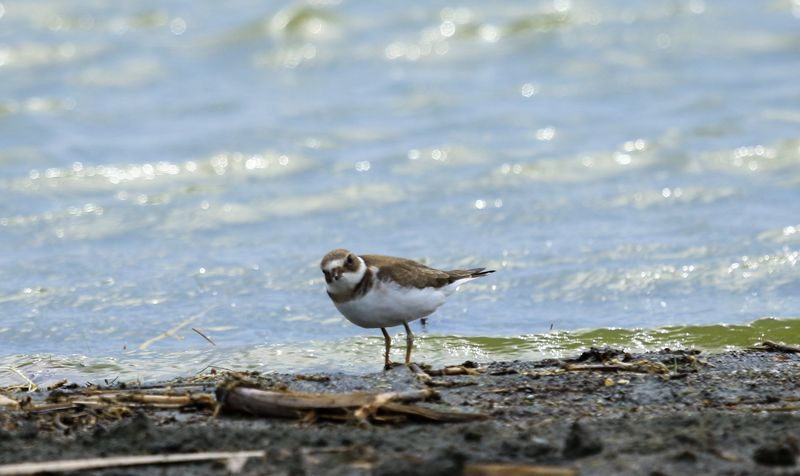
(337, 263)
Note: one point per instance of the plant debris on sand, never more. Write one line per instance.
(604, 412)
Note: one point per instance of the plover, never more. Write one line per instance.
(374, 291)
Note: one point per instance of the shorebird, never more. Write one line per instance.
(375, 291)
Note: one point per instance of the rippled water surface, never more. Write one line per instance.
(631, 169)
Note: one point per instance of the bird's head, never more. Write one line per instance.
(343, 271)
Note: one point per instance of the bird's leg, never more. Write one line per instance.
(388, 341)
(420, 374)
(409, 343)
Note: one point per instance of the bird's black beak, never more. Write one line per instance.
(336, 275)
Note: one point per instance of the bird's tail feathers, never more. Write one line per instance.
(468, 274)
(478, 272)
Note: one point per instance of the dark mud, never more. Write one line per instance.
(729, 414)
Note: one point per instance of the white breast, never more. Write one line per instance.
(389, 305)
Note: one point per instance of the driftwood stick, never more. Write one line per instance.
(182, 400)
(516, 470)
(285, 404)
(106, 400)
(366, 411)
(770, 346)
(644, 367)
(460, 370)
(117, 461)
(386, 406)
(435, 415)
(170, 385)
(99, 392)
(53, 407)
(8, 402)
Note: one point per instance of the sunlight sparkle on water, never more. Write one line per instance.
(489, 33)
(529, 89)
(178, 26)
(625, 190)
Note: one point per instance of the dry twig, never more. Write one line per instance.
(176, 329)
(204, 337)
(32, 387)
(56, 385)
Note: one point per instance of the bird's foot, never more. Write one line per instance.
(391, 365)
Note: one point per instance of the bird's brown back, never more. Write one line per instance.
(417, 275)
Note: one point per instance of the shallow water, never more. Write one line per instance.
(631, 170)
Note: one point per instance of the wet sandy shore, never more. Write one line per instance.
(604, 413)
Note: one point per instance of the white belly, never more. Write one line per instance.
(389, 305)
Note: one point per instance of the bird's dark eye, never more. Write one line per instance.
(349, 259)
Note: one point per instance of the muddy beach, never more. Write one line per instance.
(604, 412)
